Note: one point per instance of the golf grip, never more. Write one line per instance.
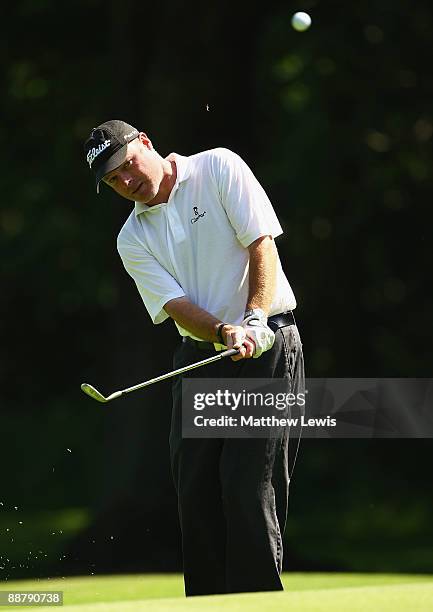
(229, 353)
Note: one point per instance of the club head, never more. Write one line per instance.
(92, 392)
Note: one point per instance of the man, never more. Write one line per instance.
(199, 245)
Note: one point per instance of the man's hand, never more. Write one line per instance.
(255, 324)
(235, 336)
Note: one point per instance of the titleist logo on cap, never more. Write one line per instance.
(93, 153)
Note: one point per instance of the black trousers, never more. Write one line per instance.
(233, 493)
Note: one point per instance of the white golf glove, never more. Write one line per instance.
(255, 324)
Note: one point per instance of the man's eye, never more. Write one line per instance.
(127, 163)
(112, 180)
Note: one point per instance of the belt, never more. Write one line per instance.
(274, 322)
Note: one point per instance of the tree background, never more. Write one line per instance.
(337, 125)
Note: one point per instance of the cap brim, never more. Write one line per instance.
(111, 164)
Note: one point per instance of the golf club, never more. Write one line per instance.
(96, 395)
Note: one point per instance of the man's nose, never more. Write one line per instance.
(126, 180)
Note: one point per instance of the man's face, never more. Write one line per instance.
(139, 177)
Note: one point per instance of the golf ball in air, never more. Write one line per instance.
(301, 21)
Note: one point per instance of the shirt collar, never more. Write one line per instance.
(183, 169)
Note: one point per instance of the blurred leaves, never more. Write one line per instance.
(347, 159)
(336, 123)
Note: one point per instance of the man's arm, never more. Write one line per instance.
(204, 325)
(193, 318)
(262, 273)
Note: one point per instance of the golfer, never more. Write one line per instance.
(199, 244)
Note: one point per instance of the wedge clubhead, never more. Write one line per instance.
(94, 393)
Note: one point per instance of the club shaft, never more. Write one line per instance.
(192, 366)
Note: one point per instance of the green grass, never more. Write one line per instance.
(304, 592)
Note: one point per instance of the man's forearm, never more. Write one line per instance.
(193, 318)
(262, 273)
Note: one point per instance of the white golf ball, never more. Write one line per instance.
(301, 21)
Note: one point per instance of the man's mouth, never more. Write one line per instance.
(135, 190)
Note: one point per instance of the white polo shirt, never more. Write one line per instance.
(195, 245)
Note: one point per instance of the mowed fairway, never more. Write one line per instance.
(304, 592)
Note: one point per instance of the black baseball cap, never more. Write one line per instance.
(107, 146)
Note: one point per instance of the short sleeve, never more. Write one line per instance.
(248, 208)
(155, 285)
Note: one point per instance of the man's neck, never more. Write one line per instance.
(167, 183)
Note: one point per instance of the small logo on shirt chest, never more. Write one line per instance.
(197, 214)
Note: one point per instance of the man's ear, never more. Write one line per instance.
(145, 140)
